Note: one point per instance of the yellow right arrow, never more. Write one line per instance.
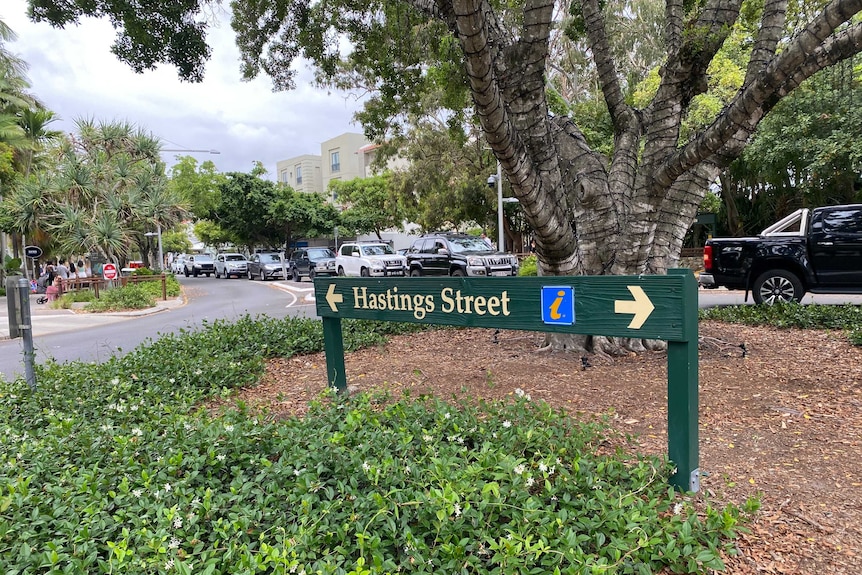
(642, 307)
(333, 298)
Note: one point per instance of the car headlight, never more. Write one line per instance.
(474, 261)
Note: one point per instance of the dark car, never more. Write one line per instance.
(266, 266)
(311, 262)
(198, 264)
(448, 254)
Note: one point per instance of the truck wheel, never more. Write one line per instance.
(777, 286)
(364, 272)
(341, 271)
(415, 273)
(458, 273)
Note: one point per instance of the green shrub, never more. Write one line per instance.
(793, 315)
(122, 298)
(529, 267)
(154, 288)
(117, 470)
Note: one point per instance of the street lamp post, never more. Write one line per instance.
(158, 233)
(501, 240)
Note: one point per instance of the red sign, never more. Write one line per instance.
(109, 271)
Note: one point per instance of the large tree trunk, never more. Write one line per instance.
(627, 214)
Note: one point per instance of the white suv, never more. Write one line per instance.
(368, 259)
(227, 265)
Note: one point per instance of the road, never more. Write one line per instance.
(208, 299)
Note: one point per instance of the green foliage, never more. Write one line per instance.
(301, 215)
(114, 468)
(529, 266)
(198, 186)
(372, 205)
(793, 315)
(12, 266)
(212, 234)
(132, 296)
(244, 210)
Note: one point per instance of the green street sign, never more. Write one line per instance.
(647, 307)
(644, 307)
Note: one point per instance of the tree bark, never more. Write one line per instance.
(628, 214)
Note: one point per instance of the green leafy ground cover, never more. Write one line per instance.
(116, 468)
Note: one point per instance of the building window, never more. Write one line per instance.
(298, 175)
(335, 162)
(284, 176)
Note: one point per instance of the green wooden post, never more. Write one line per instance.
(333, 346)
(682, 392)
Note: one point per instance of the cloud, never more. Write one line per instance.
(74, 73)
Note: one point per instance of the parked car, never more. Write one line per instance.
(369, 259)
(812, 250)
(179, 264)
(265, 266)
(197, 264)
(449, 254)
(232, 264)
(311, 262)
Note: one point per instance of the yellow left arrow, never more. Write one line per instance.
(642, 307)
(333, 298)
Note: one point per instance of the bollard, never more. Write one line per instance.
(20, 323)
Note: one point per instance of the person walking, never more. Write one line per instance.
(61, 269)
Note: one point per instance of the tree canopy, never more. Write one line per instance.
(596, 208)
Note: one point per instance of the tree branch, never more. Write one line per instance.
(785, 72)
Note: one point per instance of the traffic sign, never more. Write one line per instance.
(642, 307)
(109, 271)
(33, 252)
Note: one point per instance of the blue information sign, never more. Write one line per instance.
(558, 305)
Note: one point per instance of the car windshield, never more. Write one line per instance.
(234, 258)
(469, 245)
(270, 258)
(203, 259)
(320, 254)
(377, 250)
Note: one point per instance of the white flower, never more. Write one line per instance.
(172, 380)
(115, 381)
(196, 501)
(543, 467)
(519, 469)
(174, 543)
(178, 522)
(365, 466)
(677, 508)
(167, 486)
(187, 426)
(446, 416)
(169, 564)
(406, 470)
(220, 457)
(228, 428)
(297, 472)
(457, 510)
(519, 392)
(530, 481)
(198, 372)
(137, 493)
(427, 438)
(507, 424)
(105, 427)
(134, 408)
(137, 432)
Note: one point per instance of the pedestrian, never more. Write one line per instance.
(55, 290)
(61, 269)
(487, 240)
(83, 270)
(533, 246)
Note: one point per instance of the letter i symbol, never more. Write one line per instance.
(555, 307)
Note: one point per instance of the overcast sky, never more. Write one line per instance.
(74, 73)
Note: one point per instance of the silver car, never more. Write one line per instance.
(266, 266)
(227, 265)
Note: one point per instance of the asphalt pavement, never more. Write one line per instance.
(46, 320)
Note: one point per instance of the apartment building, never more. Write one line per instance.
(343, 157)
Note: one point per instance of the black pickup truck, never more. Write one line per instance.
(811, 250)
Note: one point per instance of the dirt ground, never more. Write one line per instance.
(780, 415)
